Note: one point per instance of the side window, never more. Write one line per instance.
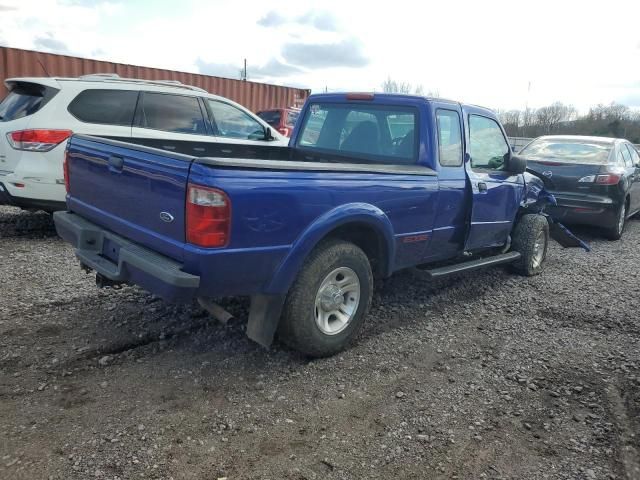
(624, 157)
(232, 122)
(172, 113)
(635, 156)
(107, 107)
(487, 145)
(449, 138)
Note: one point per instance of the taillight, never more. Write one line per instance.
(65, 170)
(608, 179)
(284, 131)
(37, 140)
(208, 216)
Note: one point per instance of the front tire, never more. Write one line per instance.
(329, 300)
(531, 240)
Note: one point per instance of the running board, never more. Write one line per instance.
(473, 264)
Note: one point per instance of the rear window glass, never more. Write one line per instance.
(107, 107)
(21, 101)
(172, 113)
(567, 150)
(272, 117)
(372, 133)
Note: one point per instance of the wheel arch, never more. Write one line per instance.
(365, 225)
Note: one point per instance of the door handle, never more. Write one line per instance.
(482, 187)
(116, 163)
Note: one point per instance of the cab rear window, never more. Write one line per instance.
(24, 99)
(370, 133)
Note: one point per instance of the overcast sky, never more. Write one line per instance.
(498, 54)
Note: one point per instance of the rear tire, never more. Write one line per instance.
(329, 300)
(531, 240)
(615, 233)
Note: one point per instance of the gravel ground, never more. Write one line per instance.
(486, 375)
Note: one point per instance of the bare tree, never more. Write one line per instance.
(393, 86)
(550, 117)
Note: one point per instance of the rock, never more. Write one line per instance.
(104, 361)
(400, 394)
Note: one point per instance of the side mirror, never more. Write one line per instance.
(515, 164)
(268, 134)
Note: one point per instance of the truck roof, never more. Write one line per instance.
(395, 98)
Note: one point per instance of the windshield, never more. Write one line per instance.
(567, 151)
(372, 133)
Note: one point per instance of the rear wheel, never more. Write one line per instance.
(615, 232)
(328, 302)
(531, 240)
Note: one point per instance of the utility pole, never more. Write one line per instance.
(244, 73)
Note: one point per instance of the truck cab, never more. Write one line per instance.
(475, 196)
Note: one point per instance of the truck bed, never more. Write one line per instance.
(280, 198)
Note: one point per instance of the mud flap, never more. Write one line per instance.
(564, 237)
(264, 315)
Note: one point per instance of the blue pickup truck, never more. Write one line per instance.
(370, 184)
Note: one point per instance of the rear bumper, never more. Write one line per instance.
(121, 260)
(6, 198)
(585, 210)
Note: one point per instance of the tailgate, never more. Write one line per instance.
(135, 191)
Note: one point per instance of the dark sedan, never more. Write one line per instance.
(596, 180)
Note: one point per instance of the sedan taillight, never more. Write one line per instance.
(208, 214)
(37, 140)
(608, 179)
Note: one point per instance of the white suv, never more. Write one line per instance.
(39, 114)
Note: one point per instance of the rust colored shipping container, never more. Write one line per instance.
(255, 96)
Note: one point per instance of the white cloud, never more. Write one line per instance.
(480, 52)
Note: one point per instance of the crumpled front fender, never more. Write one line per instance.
(535, 199)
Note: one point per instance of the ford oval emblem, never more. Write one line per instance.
(166, 217)
(548, 173)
